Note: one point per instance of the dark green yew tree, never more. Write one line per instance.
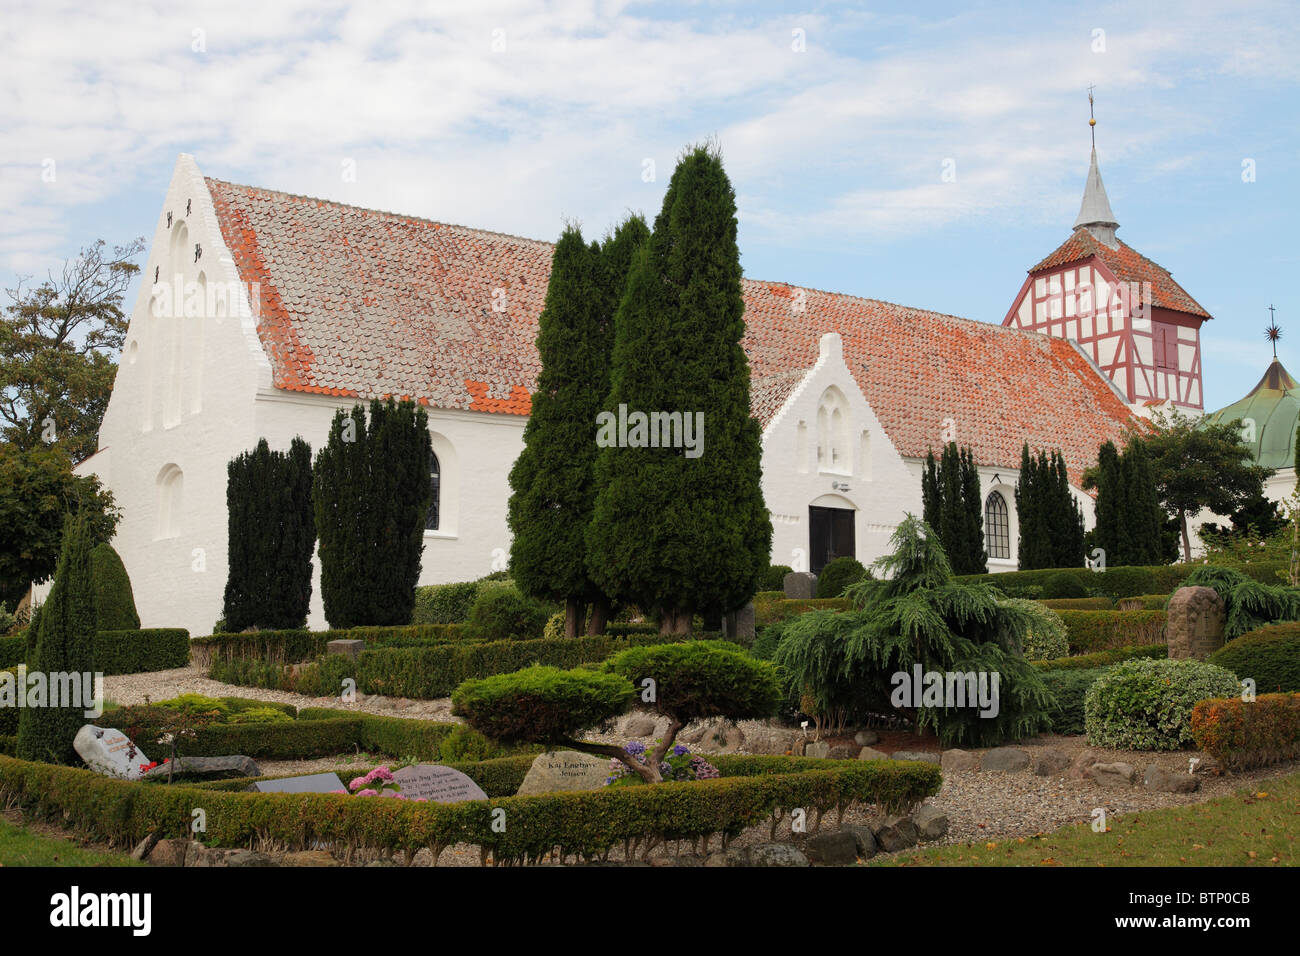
(370, 493)
(953, 505)
(272, 532)
(553, 480)
(682, 528)
(65, 644)
(1051, 521)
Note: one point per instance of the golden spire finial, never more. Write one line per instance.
(1092, 119)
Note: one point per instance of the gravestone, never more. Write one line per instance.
(108, 751)
(351, 649)
(234, 766)
(565, 770)
(437, 784)
(800, 585)
(740, 624)
(312, 783)
(1194, 626)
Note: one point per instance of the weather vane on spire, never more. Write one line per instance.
(1092, 119)
(1272, 333)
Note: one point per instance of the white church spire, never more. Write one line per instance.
(1094, 213)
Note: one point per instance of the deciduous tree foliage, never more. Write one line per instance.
(553, 479)
(272, 532)
(58, 347)
(1201, 465)
(65, 644)
(370, 495)
(670, 532)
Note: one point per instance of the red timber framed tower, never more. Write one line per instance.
(1139, 326)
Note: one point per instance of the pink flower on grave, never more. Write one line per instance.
(367, 793)
(358, 782)
(344, 792)
(380, 773)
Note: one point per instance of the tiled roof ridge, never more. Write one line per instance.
(380, 212)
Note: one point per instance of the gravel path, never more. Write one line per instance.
(980, 805)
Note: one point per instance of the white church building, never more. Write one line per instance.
(264, 312)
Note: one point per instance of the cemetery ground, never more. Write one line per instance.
(1044, 801)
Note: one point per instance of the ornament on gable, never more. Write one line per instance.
(198, 252)
(169, 219)
(187, 207)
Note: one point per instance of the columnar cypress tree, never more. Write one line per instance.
(272, 532)
(1109, 508)
(370, 492)
(65, 643)
(953, 507)
(683, 529)
(1143, 516)
(1067, 517)
(975, 559)
(931, 497)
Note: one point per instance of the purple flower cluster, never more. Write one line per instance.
(673, 768)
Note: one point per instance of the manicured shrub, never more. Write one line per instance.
(1065, 584)
(1069, 689)
(260, 715)
(838, 574)
(541, 704)
(501, 613)
(1045, 634)
(1242, 735)
(137, 651)
(774, 578)
(271, 534)
(1269, 655)
(1099, 658)
(1090, 631)
(1143, 602)
(751, 791)
(1146, 704)
(1079, 604)
(115, 604)
(65, 644)
(444, 603)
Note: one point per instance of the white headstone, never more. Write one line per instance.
(109, 752)
(439, 784)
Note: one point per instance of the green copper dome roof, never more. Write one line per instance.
(1274, 407)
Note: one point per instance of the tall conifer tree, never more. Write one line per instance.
(65, 644)
(675, 532)
(272, 533)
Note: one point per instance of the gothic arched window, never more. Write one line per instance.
(435, 480)
(997, 531)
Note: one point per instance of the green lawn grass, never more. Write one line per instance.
(1253, 827)
(20, 847)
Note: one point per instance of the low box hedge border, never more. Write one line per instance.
(775, 611)
(1100, 658)
(1078, 604)
(586, 825)
(1123, 581)
(120, 652)
(294, 646)
(1242, 735)
(1090, 631)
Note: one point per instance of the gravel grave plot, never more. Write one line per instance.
(980, 805)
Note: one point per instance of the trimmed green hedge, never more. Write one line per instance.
(1100, 658)
(120, 652)
(1269, 655)
(1143, 602)
(1101, 630)
(1122, 581)
(114, 602)
(752, 791)
(1078, 604)
(429, 672)
(444, 603)
(770, 611)
(295, 646)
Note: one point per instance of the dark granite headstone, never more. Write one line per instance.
(800, 585)
(352, 649)
(312, 783)
(436, 783)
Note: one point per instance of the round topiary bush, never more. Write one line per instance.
(838, 574)
(501, 612)
(1064, 584)
(1269, 655)
(1146, 704)
(541, 704)
(114, 600)
(1047, 636)
(774, 577)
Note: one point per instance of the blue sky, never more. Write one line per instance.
(836, 123)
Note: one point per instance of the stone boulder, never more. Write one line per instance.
(776, 854)
(1081, 764)
(565, 771)
(1051, 762)
(817, 748)
(640, 725)
(930, 822)
(864, 837)
(1005, 760)
(1157, 778)
(836, 848)
(844, 752)
(958, 760)
(731, 856)
(1194, 623)
(168, 853)
(871, 753)
(1118, 774)
(921, 755)
(894, 837)
(866, 738)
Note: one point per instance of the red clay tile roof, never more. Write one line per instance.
(1127, 265)
(359, 302)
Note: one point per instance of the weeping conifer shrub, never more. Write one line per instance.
(272, 532)
(370, 495)
(65, 644)
(1248, 603)
(846, 663)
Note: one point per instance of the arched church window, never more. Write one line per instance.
(834, 452)
(171, 484)
(435, 489)
(997, 531)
